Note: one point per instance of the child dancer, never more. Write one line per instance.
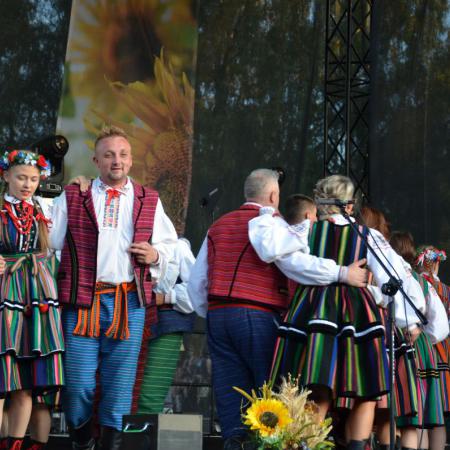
(31, 342)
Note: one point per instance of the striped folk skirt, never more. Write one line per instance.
(443, 362)
(31, 339)
(407, 399)
(430, 406)
(333, 336)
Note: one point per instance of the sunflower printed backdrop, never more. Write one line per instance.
(131, 63)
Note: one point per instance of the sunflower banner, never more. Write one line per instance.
(130, 63)
(286, 420)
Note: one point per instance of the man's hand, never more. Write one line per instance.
(82, 181)
(357, 275)
(144, 253)
(2, 265)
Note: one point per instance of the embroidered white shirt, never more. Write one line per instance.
(116, 233)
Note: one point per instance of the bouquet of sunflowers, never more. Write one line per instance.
(286, 420)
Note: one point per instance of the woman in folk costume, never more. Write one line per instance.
(428, 259)
(431, 415)
(407, 399)
(31, 342)
(333, 338)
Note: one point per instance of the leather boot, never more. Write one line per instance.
(110, 439)
(81, 437)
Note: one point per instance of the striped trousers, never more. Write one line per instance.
(162, 361)
(241, 343)
(116, 360)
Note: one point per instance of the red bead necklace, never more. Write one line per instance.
(23, 219)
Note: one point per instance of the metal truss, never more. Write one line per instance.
(347, 88)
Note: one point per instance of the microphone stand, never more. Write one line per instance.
(390, 289)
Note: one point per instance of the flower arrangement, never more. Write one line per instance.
(286, 420)
(17, 157)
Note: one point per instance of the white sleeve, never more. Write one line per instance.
(437, 327)
(404, 314)
(168, 279)
(164, 239)
(58, 227)
(197, 287)
(274, 241)
(272, 237)
(308, 269)
(46, 205)
(183, 302)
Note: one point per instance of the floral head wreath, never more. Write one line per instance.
(429, 255)
(19, 157)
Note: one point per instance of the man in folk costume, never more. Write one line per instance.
(115, 238)
(243, 297)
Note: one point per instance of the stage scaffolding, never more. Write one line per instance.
(347, 89)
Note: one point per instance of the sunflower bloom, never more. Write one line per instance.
(117, 39)
(267, 416)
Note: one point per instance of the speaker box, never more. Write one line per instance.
(162, 432)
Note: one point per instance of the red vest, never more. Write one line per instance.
(77, 273)
(234, 269)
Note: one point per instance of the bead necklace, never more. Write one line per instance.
(23, 219)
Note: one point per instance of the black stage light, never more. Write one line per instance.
(53, 148)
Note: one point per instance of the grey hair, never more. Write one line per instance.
(335, 186)
(257, 183)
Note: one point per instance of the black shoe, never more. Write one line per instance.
(233, 443)
(110, 439)
(90, 445)
(81, 437)
(356, 445)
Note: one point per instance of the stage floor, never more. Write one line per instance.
(62, 443)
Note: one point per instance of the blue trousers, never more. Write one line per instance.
(241, 344)
(116, 360)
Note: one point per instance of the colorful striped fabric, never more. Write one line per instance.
(235, 272)
(407, 399)
(430, 411)
(78, 268)
(31, 340)
(333, 335)
(443, 348)
(162, 361)
(116, 366)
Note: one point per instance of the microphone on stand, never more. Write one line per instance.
(334, 202)
(207, 199)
